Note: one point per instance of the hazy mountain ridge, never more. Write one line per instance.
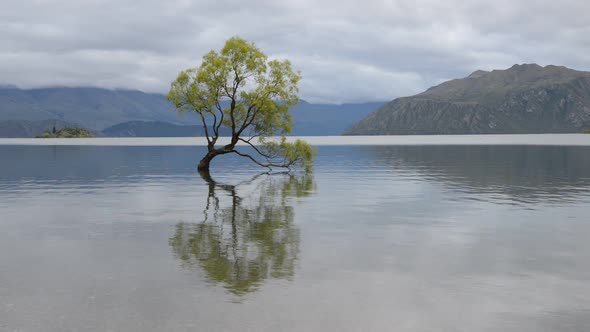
(328, 119)
(522, 99)
(92, 108)
(155, 129)
(143, 114)
(23, 128)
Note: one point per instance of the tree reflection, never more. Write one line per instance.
(247, 234)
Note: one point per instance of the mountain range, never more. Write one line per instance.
(525, 98)
(118, 113)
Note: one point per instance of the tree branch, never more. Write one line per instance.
(267, 156)
(235, 86)
(246, 123)
(220, 117)
(205, 126)
(268, 165)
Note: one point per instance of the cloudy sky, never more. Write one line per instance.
(348, 51)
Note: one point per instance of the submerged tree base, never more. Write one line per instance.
(204, 164)
(281, 154)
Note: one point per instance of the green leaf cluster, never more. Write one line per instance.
(293, 153)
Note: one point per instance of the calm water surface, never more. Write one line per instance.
(379, 238)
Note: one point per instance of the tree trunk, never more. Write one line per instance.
(205, 162)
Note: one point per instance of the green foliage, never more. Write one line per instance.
(295, 153)
(67, 133)
(587, 131)
(259, 93)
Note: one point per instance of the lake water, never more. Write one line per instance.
(379, 238)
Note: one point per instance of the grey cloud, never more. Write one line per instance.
(346, 50)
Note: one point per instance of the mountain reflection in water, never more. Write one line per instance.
(503, 174)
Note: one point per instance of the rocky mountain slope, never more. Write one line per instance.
(522, 99)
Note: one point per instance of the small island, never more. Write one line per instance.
(66, 133)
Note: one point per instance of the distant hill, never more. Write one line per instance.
(67, 133)
(91, 108)
(155, 129)
(522, 99)
(328, 119)
(22, 112)
(15, 128)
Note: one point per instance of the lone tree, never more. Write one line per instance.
(239, 89)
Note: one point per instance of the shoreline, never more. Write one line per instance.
(490, 139)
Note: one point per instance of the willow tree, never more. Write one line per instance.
(240, 90)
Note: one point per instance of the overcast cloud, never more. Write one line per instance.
(347, 50)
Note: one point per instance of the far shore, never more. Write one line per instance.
(508, 139)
